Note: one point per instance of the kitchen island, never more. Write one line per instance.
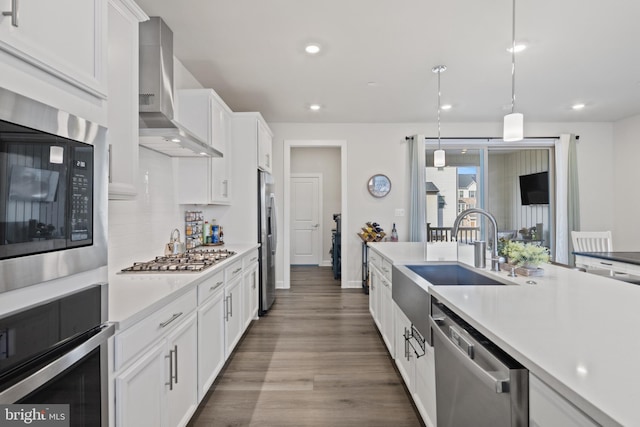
(572, 330)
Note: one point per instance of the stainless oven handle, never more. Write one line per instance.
(496, 384)
(47, 373)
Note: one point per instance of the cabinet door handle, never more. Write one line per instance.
(13, 13)
(226, 309)
(217, 285)
(225, 193)
(231, 305)
(170, 357)
(175, 361)
(174, 317)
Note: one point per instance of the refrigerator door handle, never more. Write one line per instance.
(274, 223)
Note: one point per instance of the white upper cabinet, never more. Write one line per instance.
(204, 113)
(63, 38)
(205, 180)
(265, 142)
(124, 19)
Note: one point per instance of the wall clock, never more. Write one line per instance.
(379, 185)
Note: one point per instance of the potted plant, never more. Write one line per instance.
(528, 255)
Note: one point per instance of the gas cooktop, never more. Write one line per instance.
(194, 260)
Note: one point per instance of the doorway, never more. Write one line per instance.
(306, 218)
(290, 167)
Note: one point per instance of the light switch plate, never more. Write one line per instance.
(399, 212)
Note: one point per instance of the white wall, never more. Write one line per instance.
(381, 148)
(324, 160)
(625, 204)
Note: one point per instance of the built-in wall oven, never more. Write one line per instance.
(55, 353)
(53, 193)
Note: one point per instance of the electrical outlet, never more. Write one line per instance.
(399, 212)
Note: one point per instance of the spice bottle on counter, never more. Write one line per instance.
(215, 232)
(206, 233)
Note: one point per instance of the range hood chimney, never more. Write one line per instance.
(159, 131)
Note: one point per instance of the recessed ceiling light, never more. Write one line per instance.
(446, 106)
(519, 47)
(372, 83)
(202, 153)
(175, 139)
(312, 49)
(578, 106)
(314, 107)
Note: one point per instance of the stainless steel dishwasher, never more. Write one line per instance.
(477, 384)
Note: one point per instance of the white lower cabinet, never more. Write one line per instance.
(233, 314)
(211, 325)
(416, 367)
(404, 356)
(424, 394)
(250, 280)
(159, 388)
(547, 408)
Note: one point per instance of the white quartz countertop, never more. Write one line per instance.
(134, 296)
(576, 331)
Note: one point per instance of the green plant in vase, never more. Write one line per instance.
(509, 249)
(529, 255)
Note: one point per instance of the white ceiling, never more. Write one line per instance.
(252, 53)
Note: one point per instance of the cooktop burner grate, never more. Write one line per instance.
(194, 260)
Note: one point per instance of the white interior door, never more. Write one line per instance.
(305, 219)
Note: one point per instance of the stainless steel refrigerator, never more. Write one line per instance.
(268, 239)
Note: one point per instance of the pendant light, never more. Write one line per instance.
(514, 122)
(438, 155)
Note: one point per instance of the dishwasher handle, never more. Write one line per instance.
(499, 385)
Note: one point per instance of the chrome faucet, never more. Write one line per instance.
(495, 259)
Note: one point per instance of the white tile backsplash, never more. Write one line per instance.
(139, 229)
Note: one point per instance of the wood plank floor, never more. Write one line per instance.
(316, 359)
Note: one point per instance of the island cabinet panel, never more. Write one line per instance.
(547, 408)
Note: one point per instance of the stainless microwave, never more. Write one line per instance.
(53, 187)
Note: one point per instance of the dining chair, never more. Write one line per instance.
(591, 241)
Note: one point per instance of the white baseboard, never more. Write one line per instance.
(280, 284)
(326, 263)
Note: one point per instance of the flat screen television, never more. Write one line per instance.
(534, 188)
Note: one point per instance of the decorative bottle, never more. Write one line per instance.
(394, 233)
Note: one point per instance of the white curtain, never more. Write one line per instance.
(567, 197)
(417, 188)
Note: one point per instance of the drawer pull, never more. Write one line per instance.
(237, 270)
(255, 258)
(174, 317)
(605, 263)
(217, 285)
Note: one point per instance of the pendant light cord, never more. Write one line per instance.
(513, 58)
(439, 72)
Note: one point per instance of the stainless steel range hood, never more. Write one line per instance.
(159, 131)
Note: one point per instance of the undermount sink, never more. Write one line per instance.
(451, 274)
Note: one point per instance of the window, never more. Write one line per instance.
(485, 174)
